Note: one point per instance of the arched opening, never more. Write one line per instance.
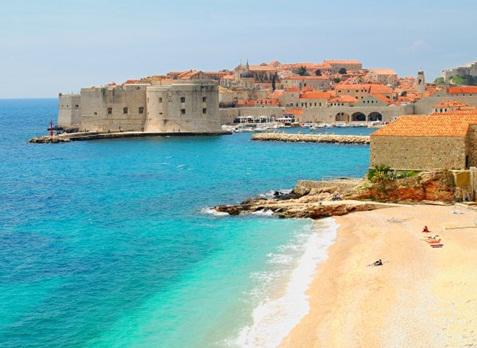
(342, 117)
(375, 116)
(358, 117)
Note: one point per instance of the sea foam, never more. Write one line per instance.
(212, 211)
(274, 318)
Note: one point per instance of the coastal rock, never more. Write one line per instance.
(319, 199)
(424, 186)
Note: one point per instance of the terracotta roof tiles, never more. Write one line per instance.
(462, 90)
(438, 125)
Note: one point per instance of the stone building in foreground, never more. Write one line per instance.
(427, 142)
(190, 106)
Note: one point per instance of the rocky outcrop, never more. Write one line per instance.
(313, 138)
(319, 199)
(299, 209)
(309, 199)
(424, 186)
(334, 188)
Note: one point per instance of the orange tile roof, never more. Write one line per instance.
(292, 89)
(277, 93)
(462, 90)
(294, 111)
(381, 97)
(344, 99)
(450, 103)
(246, 102)
(315, 95)
(442, 125)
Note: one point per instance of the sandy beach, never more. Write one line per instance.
(419, 297)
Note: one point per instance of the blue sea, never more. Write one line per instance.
(109, 243)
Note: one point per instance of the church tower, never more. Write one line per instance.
(421, 82)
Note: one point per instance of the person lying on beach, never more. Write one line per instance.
(377, 263)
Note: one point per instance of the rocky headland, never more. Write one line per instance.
(319, 199)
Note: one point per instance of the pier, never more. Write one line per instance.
(313, 138)
(82, 136)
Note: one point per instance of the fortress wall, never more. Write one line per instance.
(191, 106)
(227, 115)
(69, 110)
(317, 114)
(328, 114)
(102, 108)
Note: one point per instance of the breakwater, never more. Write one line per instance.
(82, 136)
(312, 138)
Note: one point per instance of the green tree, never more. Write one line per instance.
(301, 71)
(274, 81)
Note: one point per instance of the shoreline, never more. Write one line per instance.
(420, 297)
(287, 301)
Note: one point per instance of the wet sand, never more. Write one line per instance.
(420, 297)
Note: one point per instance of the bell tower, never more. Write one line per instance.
(421, 82)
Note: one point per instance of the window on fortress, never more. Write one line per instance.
(110, 111)
(141, 109)
(77, 106)
(204, 110)
(125, 110)
(160, 100)
(182, 111)
(204, 99)
(182, 99)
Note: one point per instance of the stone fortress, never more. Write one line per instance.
(466, 70)
(181, 106)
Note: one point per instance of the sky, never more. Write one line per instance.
(53, 46)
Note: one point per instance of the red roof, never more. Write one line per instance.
(462, 90)
(450, 104)
(294, 111)
(439, 125)
(315, 95)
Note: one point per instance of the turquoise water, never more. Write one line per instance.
(105, 243)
